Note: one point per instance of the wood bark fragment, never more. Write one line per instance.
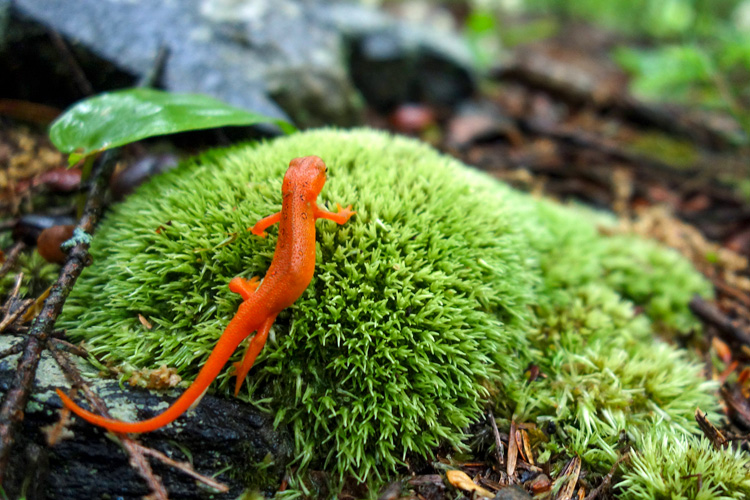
(499, 448)
(713, 316)
(135, 456)
(11, 256)
(569, 475)
(222, 438)
(512, 450)
(668, 118)
(607, 480)
(709, 430)
(738, 407)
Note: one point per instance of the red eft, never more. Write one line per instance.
(288, 276)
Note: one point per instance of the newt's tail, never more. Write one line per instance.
(235, 333)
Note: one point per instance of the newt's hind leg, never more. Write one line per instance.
(244, 287)
(253, 349)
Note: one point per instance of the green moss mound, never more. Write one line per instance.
(431, 301)
(606, 373)
(694, 470)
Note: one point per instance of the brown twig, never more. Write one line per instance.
(70, 348)
(731, 291)
(11, 317)
(76, 72)
(737, 437)
(27, 111)
(13, 307)
(152, 77)
(738, 407)
(499, 448)
(11, 256)
(586, 140)
(14, 293)
(184, 467)
(14, 349)
(710, 430)
(14, 402)
(74, 377)
(607, 480)
(713, 315)
(512, 450)
(143, 468)
(662, 117)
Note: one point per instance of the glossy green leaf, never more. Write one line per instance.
(116, 118)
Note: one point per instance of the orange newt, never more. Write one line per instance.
(290, 272)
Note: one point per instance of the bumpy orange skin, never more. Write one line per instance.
(288, 276)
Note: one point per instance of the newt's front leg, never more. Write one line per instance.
(259, 229)
(339, 217)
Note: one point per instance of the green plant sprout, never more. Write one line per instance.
(425, 307)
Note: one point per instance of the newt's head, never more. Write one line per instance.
(305, 176)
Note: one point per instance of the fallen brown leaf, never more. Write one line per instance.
(462, 481)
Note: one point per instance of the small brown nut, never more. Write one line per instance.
(49, 241)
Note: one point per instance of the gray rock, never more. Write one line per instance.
(394, 62)
(277, 57)
(512, 493)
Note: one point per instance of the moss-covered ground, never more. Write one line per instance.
(426, 308)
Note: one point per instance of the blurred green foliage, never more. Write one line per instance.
(654, 18)
(694, 52)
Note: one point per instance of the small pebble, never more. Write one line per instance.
(412, 118)
(49, 241)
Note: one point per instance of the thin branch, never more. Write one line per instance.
(11, 257)
(14, 402)
(14, 293)
(709, 430)
(66, 346)
(607, 480)
(141, 465)
(512, 450)
(499, 449)
(13, 307)
(152, 77)
(663, 117)
(586, 140)
(713, 315)
(733, 292)
(14, 349)
(184, 467)
(76, 72)
(11, 317)
(738, 407)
